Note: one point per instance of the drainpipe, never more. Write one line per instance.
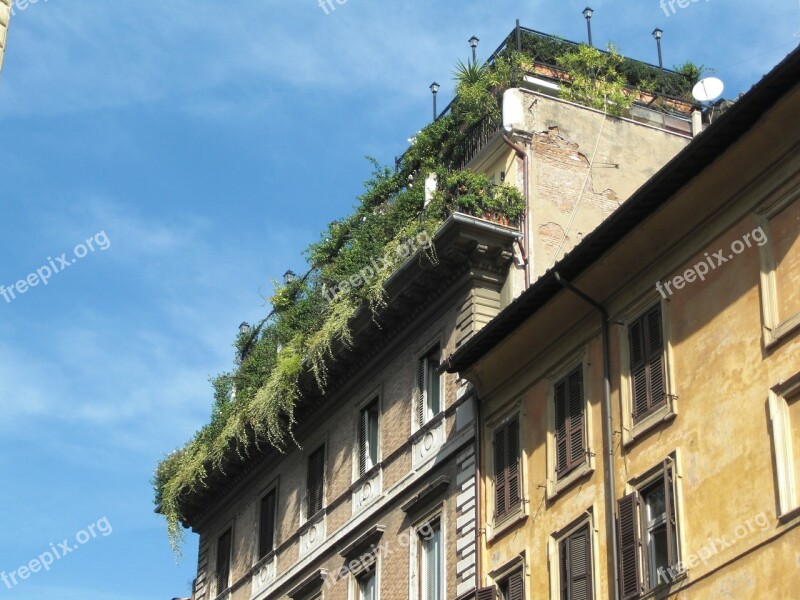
(608, 438)
(478, 495)
(525, 227)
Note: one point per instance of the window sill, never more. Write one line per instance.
(579, 474)
(507, 522)
(776, 335)
(788, 516)
(662, 415)
(666, 590)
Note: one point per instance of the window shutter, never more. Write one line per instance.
(669, 500)
(500, 471)
(638, 369)
(576, 419)
(266, 541)
(362, 441)
(434, 399)
(579, 565)
(515, 586)
(372, 433)
(487, 593)
(562, 452)
(628, 537)
(512, 463)
(223, 561)
(655, 357)
(316, 481)
(433, 576)
(421, 400)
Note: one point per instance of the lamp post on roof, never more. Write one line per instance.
(473, 42)
(658, 34)
(434, 91)
(588, 12)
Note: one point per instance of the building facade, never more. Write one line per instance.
(380, 498)
(640, 402)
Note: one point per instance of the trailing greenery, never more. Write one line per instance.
(254, 404)
(595, 79)
(637, 74)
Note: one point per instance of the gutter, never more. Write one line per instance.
(608, 439)
(523, 245)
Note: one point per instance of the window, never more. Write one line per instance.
(506, 468)
(511, 588)
(575, 565)
(428, 393)
(779, 252)
(570, 435)
(368, 438)
(367, 586)
(266, 524)
(315, 482)
(431, 580)
(648, 536)
(223, 573)
(784, 412)
(648, 380)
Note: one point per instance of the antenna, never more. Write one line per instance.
(708, 89)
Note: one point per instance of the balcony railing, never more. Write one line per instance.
(482, 133)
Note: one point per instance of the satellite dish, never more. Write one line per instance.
(708, 89)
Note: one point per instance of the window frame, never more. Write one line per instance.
(306, 513)
(494, 525)
(554, 548)
(357, 578)
(635, 428)
(774, 329)
(556, 484)
(423, 411)
(373, 401)
(416, 554)
(272, 488)
(499, 576)
(227, 528)
(786, 455)
(634, 495)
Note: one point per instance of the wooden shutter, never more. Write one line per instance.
(363, 425)
(487, 593)
(575, 434)
(516, 588)
(421, 400)
(562, 449)
(506, 467)
(655, 357)
(647, 362)
(316, 481)
(266, 536)
(570, 422)
(576, 566)
(512, 462)
(373, 423)
(629, 540)
(500, 471)
(223, 561)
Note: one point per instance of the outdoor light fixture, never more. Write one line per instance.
(288, 277)
(588, 12)
(658, 34)
(434, 91)
(473, 42)
(244, 328)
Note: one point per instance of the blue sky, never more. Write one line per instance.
(211, 142)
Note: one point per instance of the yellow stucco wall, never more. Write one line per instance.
(733, 537)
